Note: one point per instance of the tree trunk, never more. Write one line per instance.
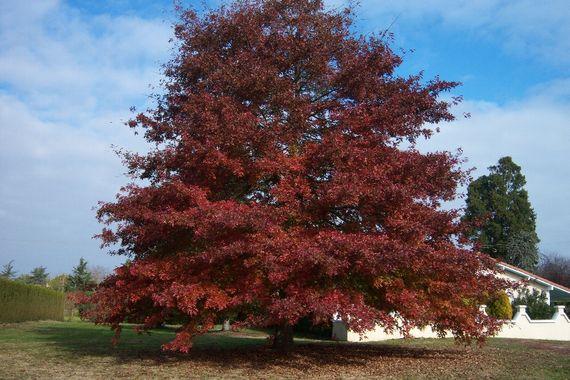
(283, 338)
(226, 325)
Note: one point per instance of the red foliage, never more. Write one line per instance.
(77, 298)
(284, 183)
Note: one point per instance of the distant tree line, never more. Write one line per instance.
(555, 268)
(83, 277)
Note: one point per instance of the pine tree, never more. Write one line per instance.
(504, 223)
(38, 276)
(80, 278)
(8, 270)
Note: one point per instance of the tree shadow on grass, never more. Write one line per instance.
(226, 350)
(91, 340)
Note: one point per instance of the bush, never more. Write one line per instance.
(77, 304)
(500, 307)
(20, 302)
(536, 305)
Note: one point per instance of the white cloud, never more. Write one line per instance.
(67, 81)
(524, 27)
(535, 132)
(52, 174)
(59, 61)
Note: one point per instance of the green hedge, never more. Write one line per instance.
(21, 302)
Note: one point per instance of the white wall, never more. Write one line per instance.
(520, 327)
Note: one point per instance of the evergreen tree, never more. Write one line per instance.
(38, 276)
(80, 278)
(8, 270)
(521, 250)
(504, 223)
(537, 306)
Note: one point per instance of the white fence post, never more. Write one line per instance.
(521, 310)
(559, 311)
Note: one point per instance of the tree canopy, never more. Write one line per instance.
(284, 183)
(37, 276)
(8, 270)
(504, 223)
(555, 268)
(80, 278)
(59, 282)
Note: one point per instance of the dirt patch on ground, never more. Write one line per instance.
(546, 345)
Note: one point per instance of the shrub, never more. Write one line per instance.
(536, 305)
(500, 307)
(77, 304)
(20, 302)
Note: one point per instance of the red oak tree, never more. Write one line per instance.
(284, 183)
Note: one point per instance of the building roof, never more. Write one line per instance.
(560, 290)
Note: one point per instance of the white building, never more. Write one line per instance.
(554, 292)
(521, 326)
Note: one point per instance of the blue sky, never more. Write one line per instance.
(70, 70)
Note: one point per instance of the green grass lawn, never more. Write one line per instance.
(82, 350)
